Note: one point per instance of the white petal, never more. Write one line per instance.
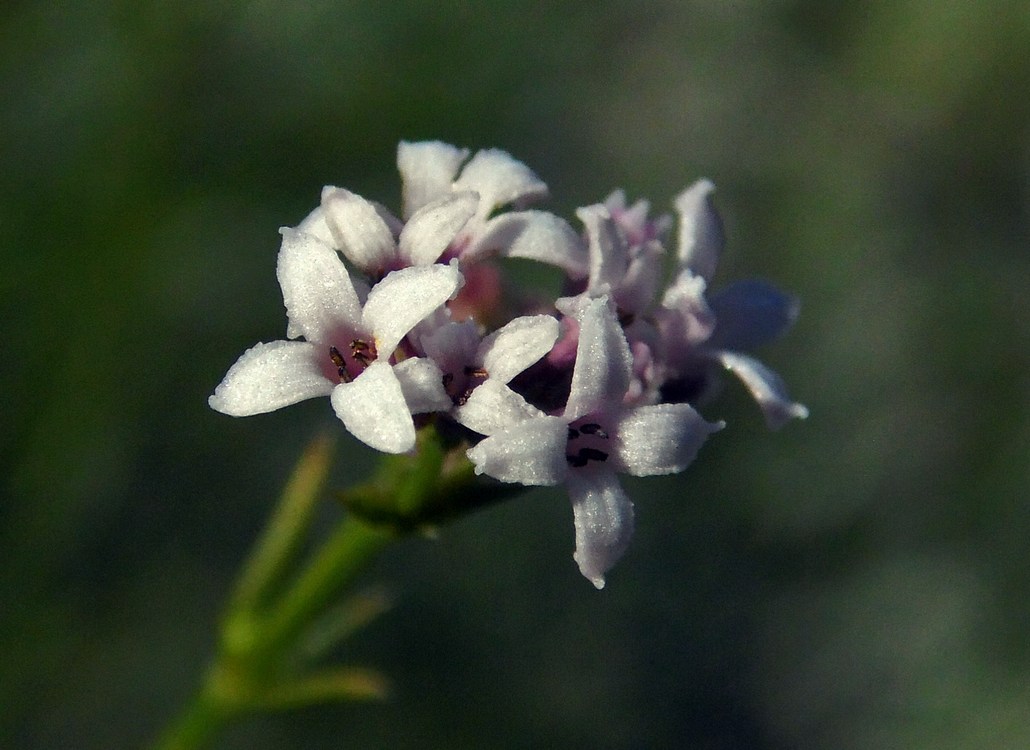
(685, 318)
(603, 516)
(270, 376)
(492, 407)
(531, 452)
(317, 289)
(601, 375)
(427, 170)
(428, 233)
(766, 386)
(609, 256)
(511, 349)
(636, 293)
(373, 409)
(500, 179)
(316, 225)
(751, 313)
(405, 297)
(422, 384)
(534, 235)
(660, 439)
(701, 232)
(359, 230)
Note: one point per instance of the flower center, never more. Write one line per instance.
(588, 442)
(362, 354)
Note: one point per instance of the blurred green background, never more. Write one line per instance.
(859, 580)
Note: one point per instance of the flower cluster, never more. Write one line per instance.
(401, 321)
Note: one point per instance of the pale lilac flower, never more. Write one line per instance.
(348, 347)
(700, 331)
(432, 171)
(596, 436)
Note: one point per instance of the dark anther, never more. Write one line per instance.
(573, 433)
(626, 318)
(585, 455)
(448, 378)
(592, 428)
(341, 365)
(362, 352)
(476, 372)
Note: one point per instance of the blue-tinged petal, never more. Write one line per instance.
(373, 409)
(531, 452)
(661, 439)
(750, 313)
(701, 232)
(765, 385)
(603, 516)
(317, 290)
(534, 235)
(603, 367)
(493, 407)
(427, 169)
(430, 230)
(404, 298)
(422, 384)
(511, 349)
(361, 233)
(500, 179)
(270, 376)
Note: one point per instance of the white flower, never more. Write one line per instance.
(431, 171)
(595, 437)
(347, 349)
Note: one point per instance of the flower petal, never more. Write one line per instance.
(636, 292)
(500, 179)
(422, 384)
(317, 289)
(405, 297)
(701, 232)
(511, 349)
(492, 407)
(531, 452)
(534, 235)
(661, 439)
(602, 372)
(751, 313)
(609, 256)
(603, 515)
(427, 170)
(430, 230)
(373, 409)
(359, 230)
(453, 345)
(765, 385)
(270, 376)
(685, 319)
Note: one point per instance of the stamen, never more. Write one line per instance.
(341, 364)
(592, 428)
(584, 456)
(476, 372)
(363, 352)
(573, 433)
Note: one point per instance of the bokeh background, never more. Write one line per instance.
(859, 580)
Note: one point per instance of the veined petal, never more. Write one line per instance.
(492, 407)
(534, 235)
(422, 385)
(661, 439)
(765, 385)
(430, 230)
(531, 452)
(601, 375)
(270, 376)
(373, 409)
(405, 297)
(701, 232)
(359, 230)
(427, 170)
(317, 289)
(511, 349)
(751, 313)
(609, 255)
(603, 516)
(500, 179)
